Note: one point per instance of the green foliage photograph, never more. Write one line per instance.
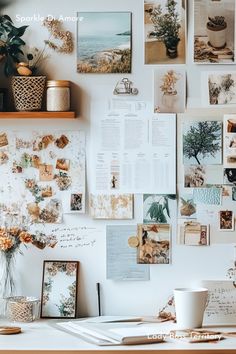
(202, 143)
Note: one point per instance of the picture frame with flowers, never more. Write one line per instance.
(59, 289)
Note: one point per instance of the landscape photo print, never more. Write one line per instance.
(104, 42)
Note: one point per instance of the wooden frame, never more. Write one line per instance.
(59, 305)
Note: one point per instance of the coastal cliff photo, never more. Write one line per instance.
(104, 42)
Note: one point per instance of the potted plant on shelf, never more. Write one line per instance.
(23, 65)
(166, 26)
(216, 31)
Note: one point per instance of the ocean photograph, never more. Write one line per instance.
(104, 42)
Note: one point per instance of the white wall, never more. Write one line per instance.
(188, 264)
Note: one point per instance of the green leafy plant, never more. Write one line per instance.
(10, 43)
(166, 24)
(216, 23)
(159, 210)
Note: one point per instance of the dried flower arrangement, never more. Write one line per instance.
(169, 80)
(14, 233)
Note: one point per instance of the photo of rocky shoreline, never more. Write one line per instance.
(106, 48)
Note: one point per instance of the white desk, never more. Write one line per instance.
(41, 338)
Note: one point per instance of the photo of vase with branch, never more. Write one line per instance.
(202, 143)
(214, 24)
(164, 24)
(222, 88)
(169, 90)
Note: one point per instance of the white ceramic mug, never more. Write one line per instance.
(190, 304)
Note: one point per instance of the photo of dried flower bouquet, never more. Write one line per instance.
(169, 90)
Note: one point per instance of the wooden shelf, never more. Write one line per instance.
(39, 115)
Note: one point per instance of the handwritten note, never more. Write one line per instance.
(221, 307)
(76, 237)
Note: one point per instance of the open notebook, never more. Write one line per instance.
(107, 334)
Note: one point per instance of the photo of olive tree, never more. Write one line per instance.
(202, 143)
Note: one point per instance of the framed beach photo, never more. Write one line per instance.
(104, 42)
(59, 289)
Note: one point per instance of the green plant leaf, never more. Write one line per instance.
(21, 30)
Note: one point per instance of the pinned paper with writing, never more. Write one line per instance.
(221, 306)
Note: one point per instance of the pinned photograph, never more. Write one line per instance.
(63, 164)
(111, 207)
(230, 123)
(208, 196)
(230, 150)
(193, 234)
(164, 31)
(159, 208)
(104, 42)
(226, 220)
(47, 192)
(202, 143)
(76, 202)
(234, 194)
(169, 90)
(154, 244)
(230, 175)
(194, 176)
(46, 212)
(214, 31)
(46, 173)
(221, 89)
(187, 207)
(3, 140)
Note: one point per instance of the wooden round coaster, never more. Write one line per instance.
(10, 330)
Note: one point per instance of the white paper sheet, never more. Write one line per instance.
(122, 259)
(221, 307)
(133, 153)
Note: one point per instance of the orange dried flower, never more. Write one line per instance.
(25, 237)
(14, 231)
(5, 243)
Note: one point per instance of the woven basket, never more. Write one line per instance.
(28, 92)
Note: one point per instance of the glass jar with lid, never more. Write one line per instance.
(58, 95)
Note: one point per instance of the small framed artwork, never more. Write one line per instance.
(59, 289)
(104, 42)
(226, 220)
(3, 100)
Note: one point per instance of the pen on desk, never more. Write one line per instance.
(99, 298)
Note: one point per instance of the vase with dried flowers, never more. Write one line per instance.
(14, 233)
(167, 25)
(168, 88)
